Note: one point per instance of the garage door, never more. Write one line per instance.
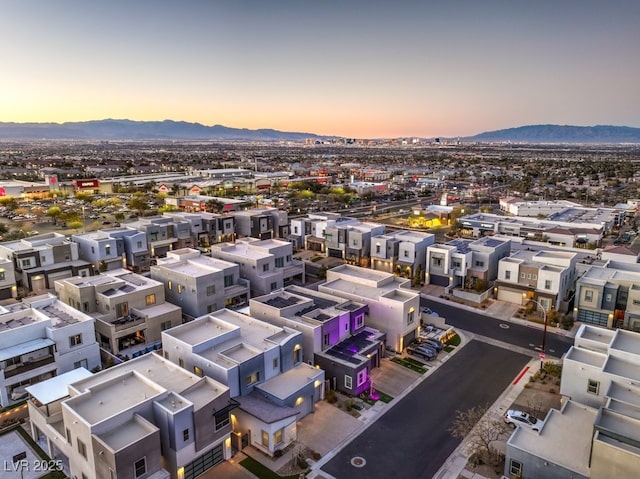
(203, 463)
(514, 297)
(438, 280)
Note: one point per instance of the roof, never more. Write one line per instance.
(264, 409)
(57, 387)
(24, 348)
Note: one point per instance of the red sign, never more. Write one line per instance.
(80, 184)
(163, 188)
(541, 355)
(2, 192)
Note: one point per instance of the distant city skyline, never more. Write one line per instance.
(358, 68)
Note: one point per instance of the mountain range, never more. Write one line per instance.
(118, 130)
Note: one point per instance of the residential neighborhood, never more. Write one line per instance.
(159, 325)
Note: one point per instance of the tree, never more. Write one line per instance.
(54, 213)
(481, 432)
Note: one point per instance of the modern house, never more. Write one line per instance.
(547, 276)
(334, 334)
(262, 366)
(132, 243)
(40, 338)
(145, 418)
(596, 434)
(267, 264)
(42, 259)
(8, 288)
(609, 295)
(402, 252)
(267, 223)
(207, 228)
(200, 284)
(394, 308)
(352, 242)
(309, 233)
(129, 309)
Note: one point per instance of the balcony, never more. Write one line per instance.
(127, 322)
(25, 367)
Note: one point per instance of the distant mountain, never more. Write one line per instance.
(142, 130)
(561, 134)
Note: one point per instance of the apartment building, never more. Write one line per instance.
(352, 242)
(42, 259)
(394, 308)
(129, 309)
(545, 276)
(464, 262)
(8, 288)
(267, 264)
(200, 284)
(609, 295)
(403, 253)
(40, 338)
(596, 434)
(145, 418)
(132, 242)
(164, 234)
(262, 224)
(260, 363)
(334, 334)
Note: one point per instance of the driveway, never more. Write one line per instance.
(411, 440)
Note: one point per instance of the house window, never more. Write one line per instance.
(608, 297)
(93, 250)
(139, 244)
(150, 299)
(406, 254)
(165, 325)
(68, 436)
(275, 363)
(297, 355)
(140, 467)
(169, 285)
(360, 320)
(265, 267)
(523, 276)
(547, 284)
(221, 419)
(362, 377)
(265, 438)
(274, 286)
(1, 275)
(82, 448)
(534, 276)
(198, 372)
(480, 264)
(278, 436)
(588, 296)
(181, 362)
(593, 387)
(211, 290)
(107, 249)
(515, 468)
(228, 281)
(377, 248)
(410, 317)
(180, 289)
(75, 340)
(436, 261)
(279, 262)
(83, 363)
(185, 435)
(528, 275)
(348, 382)
(253, 378)
(507, 275)
(26, 263)
(325, 340)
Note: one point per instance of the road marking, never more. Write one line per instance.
(524, 371)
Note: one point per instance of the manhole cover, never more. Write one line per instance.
(358, 461)
(504, 326)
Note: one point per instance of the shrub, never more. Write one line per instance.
(331, 396)
(552, 390)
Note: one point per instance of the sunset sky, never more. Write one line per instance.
(359, 68)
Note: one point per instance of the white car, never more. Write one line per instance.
(519, 418)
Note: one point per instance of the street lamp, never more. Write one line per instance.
(544, 331)
(83, 219)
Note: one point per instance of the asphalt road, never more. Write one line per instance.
(516, 334)
(411, 440)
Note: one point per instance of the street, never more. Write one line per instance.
(516, 334)
(412, 439)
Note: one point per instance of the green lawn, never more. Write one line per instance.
(410, 363)
(261, 471)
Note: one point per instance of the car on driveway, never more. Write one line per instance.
(520, 418)
(432, 343)
(423, 352)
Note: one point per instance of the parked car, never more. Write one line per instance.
(430, 342)
(520, 418)
(425, 353)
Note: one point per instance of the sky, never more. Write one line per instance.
(359, 68)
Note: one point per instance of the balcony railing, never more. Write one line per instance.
(24, 367)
